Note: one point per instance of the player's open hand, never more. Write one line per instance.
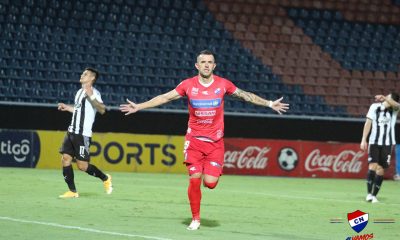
(279, 106)
(129, 107)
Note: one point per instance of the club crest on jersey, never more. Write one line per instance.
(217, 91)
(195, 91)
(358, 220)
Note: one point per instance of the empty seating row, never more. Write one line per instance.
(142, 49)
(358, 46)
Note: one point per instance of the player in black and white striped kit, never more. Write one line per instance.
(380, 124)
(78, 137)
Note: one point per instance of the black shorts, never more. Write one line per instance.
(77, 146)
(379, 154)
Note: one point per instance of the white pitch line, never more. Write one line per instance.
(82, 229)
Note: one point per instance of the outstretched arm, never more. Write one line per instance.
(132, 107)
(276, 105)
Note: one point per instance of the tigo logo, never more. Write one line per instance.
(19, 148)
(358, 220)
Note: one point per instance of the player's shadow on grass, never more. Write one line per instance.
(204, 222)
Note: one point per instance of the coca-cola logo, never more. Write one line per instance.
(252, 157)
(347, 161)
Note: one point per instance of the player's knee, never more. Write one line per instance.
(196, 175)
(82, 166)
(210, 185)
(66, 160)
(373, 166)
(379, 170)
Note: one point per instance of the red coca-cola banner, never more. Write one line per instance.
(296, 158)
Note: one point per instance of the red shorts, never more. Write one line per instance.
(204, 157)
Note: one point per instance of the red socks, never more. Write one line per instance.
(194, 194)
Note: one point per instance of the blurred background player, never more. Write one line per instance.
(204, 145)
(381, 118)
(78, 137)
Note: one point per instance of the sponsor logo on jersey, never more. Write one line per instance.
(220, 133)
(195, 91)
(205, 121)
(384, 120)
(78, 105)
(205, 113)
(204, 92)
(206, 103)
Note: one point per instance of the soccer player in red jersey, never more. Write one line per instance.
(204, 145)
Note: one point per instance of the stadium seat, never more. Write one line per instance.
(151, 44)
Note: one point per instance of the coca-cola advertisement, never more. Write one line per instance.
(296, 158)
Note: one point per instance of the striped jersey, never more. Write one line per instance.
(383, 122)
(84, 113)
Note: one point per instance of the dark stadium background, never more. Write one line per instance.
(327, 58)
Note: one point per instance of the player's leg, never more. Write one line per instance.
(377, 182)
(68, 172)
(82, 145)
(373, 156)
(213, 164)
(193, 161)
(210, 181)
(370, 180)
(194, 195)
(211, 168)
(384, 160)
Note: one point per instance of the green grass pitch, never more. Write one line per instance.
(155, 206)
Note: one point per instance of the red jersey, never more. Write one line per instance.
(206, 106)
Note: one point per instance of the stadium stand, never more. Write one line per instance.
(326, 58)
(344, 53)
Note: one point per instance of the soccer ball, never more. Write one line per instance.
(287, 159)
